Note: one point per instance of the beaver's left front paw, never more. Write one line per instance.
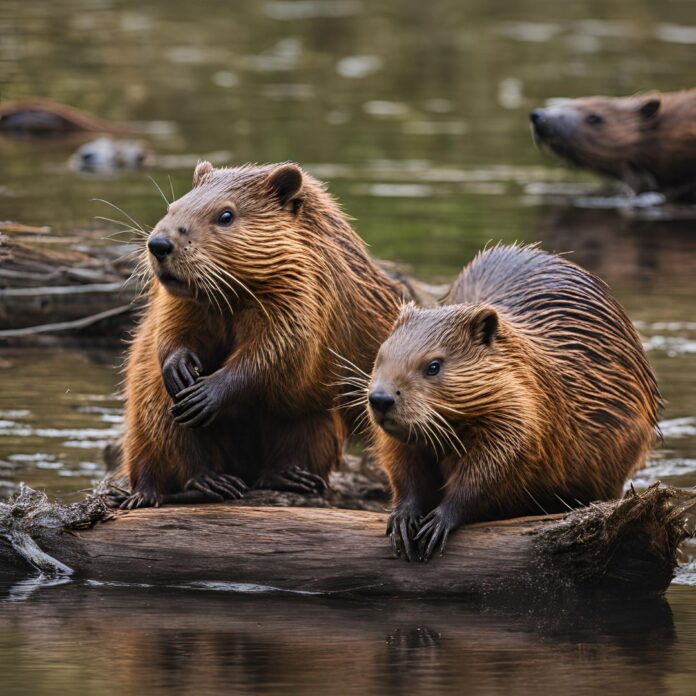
(198, 405)
(436, 527)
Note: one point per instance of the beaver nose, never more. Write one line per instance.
(160, 247)
(381, 401)
(539, 121)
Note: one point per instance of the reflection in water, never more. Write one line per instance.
(234, 643)
(637, 255)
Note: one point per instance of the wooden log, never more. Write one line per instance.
(621, 546)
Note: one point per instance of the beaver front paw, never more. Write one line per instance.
(181, 370)
(217, 487)
(296, 480)
(197, 406)
(436, 527)
(139, 498)
(404, 522)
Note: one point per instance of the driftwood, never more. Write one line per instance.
(46, 290)
(623, 546)
(84, 287)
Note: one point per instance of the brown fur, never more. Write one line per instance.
(267, 304)
(42, 117)
(648, 141)
(544, 399)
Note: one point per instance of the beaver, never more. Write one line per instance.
(35, 118)
(263, 303)
(647, 141)
(527, 392)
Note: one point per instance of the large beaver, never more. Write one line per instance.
(529, 392)
(259, 284)
(647, 141)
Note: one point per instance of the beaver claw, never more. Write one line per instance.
(435, 529)
(295, 480)
(404, 522)
(217, 487)
(198, 405)
(140, 499)
(180, 370)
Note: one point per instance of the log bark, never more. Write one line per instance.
(623, 546)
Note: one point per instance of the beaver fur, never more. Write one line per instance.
(529, 392)
(647, 141)
(262, 300)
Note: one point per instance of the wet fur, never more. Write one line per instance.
(556, 411)
(649, 151)
(312, 289)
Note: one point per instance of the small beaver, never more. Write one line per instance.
(647, 141)
(260, 287)
(528, 392)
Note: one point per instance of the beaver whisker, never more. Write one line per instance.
(441, 436)
(212, 292)
(215, 271)
(219, 290)
(362, 423)
(244, 287)
(419, 427)
(350, 380)
(445, 423)
(157, 186)
(348, 363)
(563, 502)
(354, 392)
(171, 186)
(449, 433)
(352, 404)
(123, 212)
(128, 227)
(445, 407)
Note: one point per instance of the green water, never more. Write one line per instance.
(415, 113)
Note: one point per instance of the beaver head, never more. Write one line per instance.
(219, 239)
(445, 368)
(603, 133)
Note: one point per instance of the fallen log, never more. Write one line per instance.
(629, 545)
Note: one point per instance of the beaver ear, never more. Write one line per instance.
(286, 182)
(200, 172)
(406, 312)
(484, 326)
(650, 107)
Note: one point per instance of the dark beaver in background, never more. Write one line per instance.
(646, 141)
(263, 301)
(528, 393)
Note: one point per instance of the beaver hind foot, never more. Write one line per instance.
(295, 480)
(216, 487)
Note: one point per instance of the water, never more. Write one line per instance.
(416, 115)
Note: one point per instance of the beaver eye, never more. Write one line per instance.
(433, 368)
(225, 218)
(594, 119)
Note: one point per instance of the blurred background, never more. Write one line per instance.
(416, 114)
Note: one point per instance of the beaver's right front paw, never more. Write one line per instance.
(403, 525)
(180, 370)
(145, 497)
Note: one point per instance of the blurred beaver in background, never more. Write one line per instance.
(647, 141)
